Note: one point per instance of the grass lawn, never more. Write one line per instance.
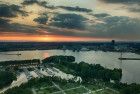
(47, 90)
(79, 90)
(68, 85)
(106, 91)
(73, 88)
(92, 87)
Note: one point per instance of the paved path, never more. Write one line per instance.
(33, 90)
(66, 90)
(89, 91)
(59, 88)
(97, 90)
(113, 90)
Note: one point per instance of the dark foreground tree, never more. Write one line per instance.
(6, 78)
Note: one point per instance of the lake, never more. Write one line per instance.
(130, 68)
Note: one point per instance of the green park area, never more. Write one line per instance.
(95, 80)
(54, 85)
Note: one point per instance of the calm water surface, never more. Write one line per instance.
(131, 68)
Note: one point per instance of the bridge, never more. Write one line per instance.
(128, 58)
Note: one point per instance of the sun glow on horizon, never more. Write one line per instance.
(47, 38)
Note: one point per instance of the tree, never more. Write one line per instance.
(6, 78)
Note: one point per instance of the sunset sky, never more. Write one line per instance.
(69, 20)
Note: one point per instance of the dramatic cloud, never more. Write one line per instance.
(6, 26)
(73, 21)
(3, 22)
(135, 9)
(42, 19)
(130, 5)
(78, 9)
(11, 10)
(101, 15)
(118, 27)
(111, 19)
(31, 2)
(46, 5)
(22, 28)
(122, 1)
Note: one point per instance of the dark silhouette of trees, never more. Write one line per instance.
(20, 62)
(84, 70)
(53, 59)
(6, 78)
(127, 88)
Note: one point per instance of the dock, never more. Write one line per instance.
(129, 58)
